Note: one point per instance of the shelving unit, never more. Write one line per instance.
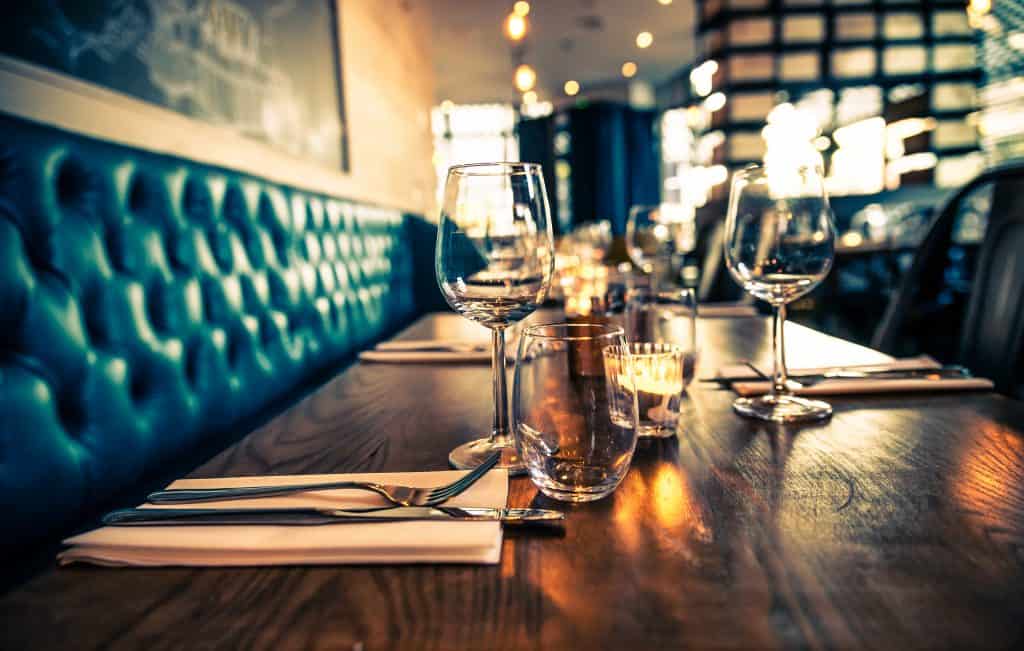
(900, 77)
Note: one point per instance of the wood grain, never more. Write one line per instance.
(898, 524)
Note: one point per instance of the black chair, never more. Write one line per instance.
(991, 338)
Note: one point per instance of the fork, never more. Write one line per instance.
(395, 493)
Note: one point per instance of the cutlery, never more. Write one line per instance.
(850, 373)
(932, 374)
(316, 516)
(438, 345)
(395, 493)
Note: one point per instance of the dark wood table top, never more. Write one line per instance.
(898, 524)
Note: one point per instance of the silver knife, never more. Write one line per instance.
(316, 516)
(857, 374)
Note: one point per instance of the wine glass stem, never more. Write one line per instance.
(779, 350)
(500, 430)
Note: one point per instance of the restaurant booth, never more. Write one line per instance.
(156, 308)
(313, 339)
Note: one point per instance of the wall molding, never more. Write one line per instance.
(41, 95)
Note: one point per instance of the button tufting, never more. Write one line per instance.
(74, 186)
(185, 324)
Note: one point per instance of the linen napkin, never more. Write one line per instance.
(437, 351)
(428, 356)
(725, 310)
(756, 386)
(350, 543)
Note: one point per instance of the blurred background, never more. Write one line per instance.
(658, 102)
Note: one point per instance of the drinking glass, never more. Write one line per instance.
(657, 237)
(654, 376)
(494, 260)
(666, 316)
(574, 447)
(779, 245)
(648, 241)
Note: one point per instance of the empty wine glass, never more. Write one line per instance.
(494, 260)
(647, 241)
(657, 237)
(779, 245)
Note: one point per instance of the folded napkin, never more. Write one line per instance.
(725, 310)
(436, 351)
(350, 543)
(426, 356)
(756, 386)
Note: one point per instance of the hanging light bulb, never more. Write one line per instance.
(628, 69)
(571, 87)
(521, 8)
(525, 78)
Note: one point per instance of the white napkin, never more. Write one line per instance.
(351, 543)
(756, 386)
(432, 351)
(426, 356)
(725, 310)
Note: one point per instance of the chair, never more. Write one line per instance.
(991, 340)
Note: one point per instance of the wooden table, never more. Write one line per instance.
(899, 524)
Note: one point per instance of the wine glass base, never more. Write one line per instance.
(470, 455)
(782, 408)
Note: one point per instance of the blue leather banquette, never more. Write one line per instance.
(151, 303)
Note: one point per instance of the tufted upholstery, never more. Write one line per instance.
(150, 302)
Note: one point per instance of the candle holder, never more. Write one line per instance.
(657, 374)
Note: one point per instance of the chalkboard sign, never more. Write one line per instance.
(266, 69)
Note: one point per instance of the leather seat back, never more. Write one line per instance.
(150, 302)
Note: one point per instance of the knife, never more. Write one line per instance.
(856, 374)
(316, 516)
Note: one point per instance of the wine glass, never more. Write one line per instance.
(647, 241)
(779, 245)
(494, 260)
(657, 234)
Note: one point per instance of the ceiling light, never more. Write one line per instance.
(447, 105)
(628, 69)
(665, 2)
(525, 78)
(522, 8)
(529, 97)
(515, 27)
(571, 87)
(714, 101)
(644, 40)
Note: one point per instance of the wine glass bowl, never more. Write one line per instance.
(493, 262)
(779, 245)
(647, 239)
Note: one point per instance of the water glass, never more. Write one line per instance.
(653, 377)
(564, 431)
(662, 317)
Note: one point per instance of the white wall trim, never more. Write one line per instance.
(35, 93)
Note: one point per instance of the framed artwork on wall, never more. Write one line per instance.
(266, 70)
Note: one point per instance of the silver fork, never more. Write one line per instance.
(395, 493)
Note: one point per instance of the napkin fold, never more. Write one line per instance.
(725, 310)
(350, 543)
(425, 356)
(436, 351)
(756, 386)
